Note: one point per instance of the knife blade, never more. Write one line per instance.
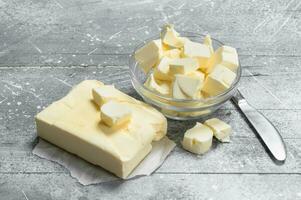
(264, 128)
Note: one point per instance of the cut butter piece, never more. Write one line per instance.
(197, 50)
(190, 84)
(173, 53)
(171, 38)
(224, 55)
(208, 42)
(157, 86)
(73, 124)
(221, 130)
(161, 72)
(148, 55)
(198, 139)
(177, 92)
(105, 93)
(115, 113)
(219, 80)
(183, 65)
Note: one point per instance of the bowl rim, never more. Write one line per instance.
(133, 64)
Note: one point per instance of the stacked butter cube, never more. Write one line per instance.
(183, 69)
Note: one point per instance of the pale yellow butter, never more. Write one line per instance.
(173, 53)
(161, 72)
(198, 139)
(158, 86)
(177, 92)
(115, 113)
(190, 84)
(221, 130)
(219, 80)
(73, 123)
(183, 65)
(197, 50)
(149, 55)
(208, 42)
(171, 38)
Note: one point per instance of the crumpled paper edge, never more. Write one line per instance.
(87, 173)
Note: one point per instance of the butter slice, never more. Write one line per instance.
(149, 55)
(171, 38)
(115, 113)
(221, 130)
(73, 124)
(183, 65)
(158, 86)
(198, 139)
(190, 84)
(197, 50)
(219, 80)
(161, 72)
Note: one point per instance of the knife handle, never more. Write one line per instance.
(265, 129)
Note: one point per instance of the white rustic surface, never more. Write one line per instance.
(48, 46)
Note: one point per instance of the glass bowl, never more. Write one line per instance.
(180, 109)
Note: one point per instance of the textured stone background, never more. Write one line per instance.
(48, 46)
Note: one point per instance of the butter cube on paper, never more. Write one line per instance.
(219, 80)
(190, 84)
(148, 55)
(198, 139)
(221, 130)
(115, 113)
(183, 65)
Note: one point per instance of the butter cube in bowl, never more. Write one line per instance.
(185, 75)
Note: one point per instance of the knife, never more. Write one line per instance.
(264, 128)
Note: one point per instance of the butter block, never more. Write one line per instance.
(183, 65)
(197, 50)
(73, 123)
(221, 130)
(198, 139)
(171, 38)
(208, 42)
(115, 113)
(219, 80)
(190, 84)
(148, 55)
(157, 86)
(161, 72)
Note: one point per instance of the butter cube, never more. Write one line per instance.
(208, 42)
(198, 139)
(161, 72)
(177, 93)
(158, 86)
(226, 56)
(197, 50)
(171, 38)
(221, 130)
(149, 55)
(183, 65)
(190, 84)
(219, 80)
(105, 93)
(115, 113)
(173, 53)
